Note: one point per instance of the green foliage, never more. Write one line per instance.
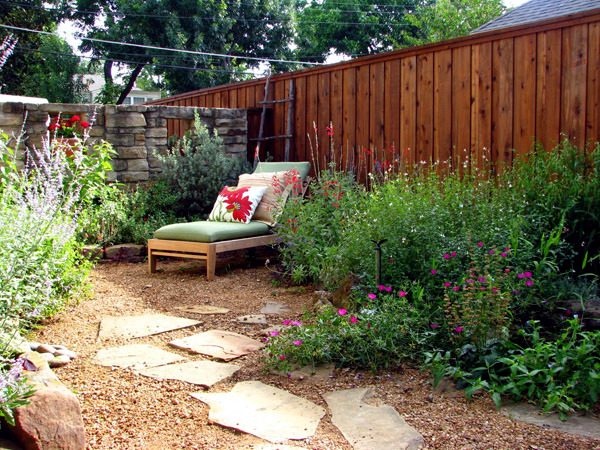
(310, 228)
(13, 389)
(561, 374)
(360, 28)
(447, 19)
(380, 335)
(197, 169)
(561, 186)
(54, 73)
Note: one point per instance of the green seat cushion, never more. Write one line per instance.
(205, 231)
(302, 167)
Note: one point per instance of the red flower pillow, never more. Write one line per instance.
(237, 204)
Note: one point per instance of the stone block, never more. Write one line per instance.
(140, 137)
(156, 132)
(156, 142)
(131, 177)
(111, 177)
(236, 149)
(137, 152)
(153, 162)
(123, 250)
(120, 139)
(239, 123)
(154, 171)
(126, 120)
(234, 140)
(11, 120)
(137, 165)
(97, 132)
(222, 113)
(132, 130)
(119, 165)
(176, 112)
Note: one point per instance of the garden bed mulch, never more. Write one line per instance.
(124, 410)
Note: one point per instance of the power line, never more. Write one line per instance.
(152, 47)
(200, 69)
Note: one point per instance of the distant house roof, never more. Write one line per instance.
(538, 10)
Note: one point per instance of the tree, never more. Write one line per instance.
(448, 19)
(352, 28)
(252, 28)
(56, 76)
(35, 15)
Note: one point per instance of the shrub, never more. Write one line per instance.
(197, 169)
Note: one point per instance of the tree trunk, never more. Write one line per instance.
(130, 83)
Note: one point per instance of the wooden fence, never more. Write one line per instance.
(497, 91)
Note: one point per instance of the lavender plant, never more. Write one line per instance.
(40, 266)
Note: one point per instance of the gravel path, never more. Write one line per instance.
(124, 410)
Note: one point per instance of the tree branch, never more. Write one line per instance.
(130, 83)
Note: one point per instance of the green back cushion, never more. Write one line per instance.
(302, 167)
(204, 231)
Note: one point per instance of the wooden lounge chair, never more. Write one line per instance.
(204, 240)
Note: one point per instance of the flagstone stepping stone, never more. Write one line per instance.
(140, 326)
(275, 308)
(368, 427)
(271, 414)
(203, 373)
(203, 309)
(220, 344)
(260, 319)
(588, 426)
(136, 356)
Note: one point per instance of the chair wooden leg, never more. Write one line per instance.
(211, 262)
(151, 262)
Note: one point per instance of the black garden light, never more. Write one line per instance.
(378, 259)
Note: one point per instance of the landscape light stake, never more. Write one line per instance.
(378, 259)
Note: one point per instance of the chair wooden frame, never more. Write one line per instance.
(206, 251)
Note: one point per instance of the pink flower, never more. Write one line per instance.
(433, 271)
(342, 312)
(282, 357)
(495, 290)
(453, 253)
(527, 274)
(287, 322)
(507, 249)
(368, 325)
(504, 254)
(434, 325)
(447, 284)
(458, 329)
(372, 296)
(456, 288)
(388, 289)
(529, 282)
(297, 342)
(446, 256)
(480, 244)
(381, 287)
(353, 319)
(481, 279)
(402, 294)
(521, 275)
(274, 333)
(491, 252)
(296, 323)
(507, 270)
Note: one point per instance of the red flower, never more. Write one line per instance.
(75, 119)
(84, 124)
(240, 206)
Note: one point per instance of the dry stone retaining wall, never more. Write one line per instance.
(136, 132)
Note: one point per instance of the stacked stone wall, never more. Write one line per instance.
(137, 132)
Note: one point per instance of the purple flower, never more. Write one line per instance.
(480, 244)
(381, 287)
(521, 275)
(528, 274)
(388, 289)
(504, 254)
(296, 323)
(287, 322)
(481, 279)
(274, 333)
(456, 288)
(453, 253)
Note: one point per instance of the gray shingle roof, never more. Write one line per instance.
(538, 10)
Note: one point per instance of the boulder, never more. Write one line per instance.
(52, 419)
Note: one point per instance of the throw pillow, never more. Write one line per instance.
(274, 198)
(236, 204)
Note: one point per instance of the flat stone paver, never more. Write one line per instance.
(203, 373)
(368, 427)
(203, 309)
(264, 411)
(259, 319)
(220, 344)
(136, 356)
(275, 308)
(140, 326)
(588, 426)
